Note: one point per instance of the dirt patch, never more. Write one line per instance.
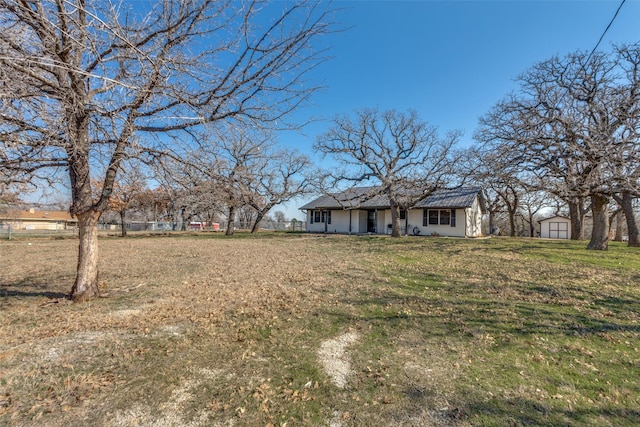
(170, 413)
(334, 360)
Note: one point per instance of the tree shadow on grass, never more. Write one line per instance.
(51, 295)
(458, 312)
(31, 288)
(522, 411)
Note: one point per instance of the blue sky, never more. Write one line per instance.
(451, 61)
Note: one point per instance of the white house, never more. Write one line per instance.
(455, 213)
(555, 227)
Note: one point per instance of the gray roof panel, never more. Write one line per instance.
(367, 198)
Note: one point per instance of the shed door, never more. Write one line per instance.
(558, 230)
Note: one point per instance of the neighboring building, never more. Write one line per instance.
(445, 213)
(37, 220)
(555, 227)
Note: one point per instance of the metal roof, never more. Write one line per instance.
(368, 198)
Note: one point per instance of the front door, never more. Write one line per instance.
(371, 221)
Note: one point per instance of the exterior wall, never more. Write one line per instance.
(381, 223)
(556, 231)
(473, 219)
(35, 225)
(416, 216)
(362, 220)
(315, 227)
(468, 222)
(340, 220)
(387, 221)
(414, 219)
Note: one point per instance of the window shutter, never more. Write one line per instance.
(425, 218)
(453, 217)
(311, 219)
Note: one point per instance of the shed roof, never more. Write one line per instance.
(554, 216)
(369, 198)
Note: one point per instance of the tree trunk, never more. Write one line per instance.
(123, 222)
(183, 225)
(532, 228)
(86, 283)
(632, 226)
(512, 222)
(256, 223)
(230, 221)
(600, 234)
(396, 230)
(619, 227)
(491, 227)
(576, 216)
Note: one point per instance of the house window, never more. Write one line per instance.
(403, 214)
(445, 217)
(439, 217)
(433, 217)
(328, 217)
(317, 216)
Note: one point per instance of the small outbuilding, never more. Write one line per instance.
(555, 227)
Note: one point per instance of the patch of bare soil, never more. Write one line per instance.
(334, 360)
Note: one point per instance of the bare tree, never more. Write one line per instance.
(191, 188)
(531, 203)
(572, 119)
(246, 216)
(9, 196)
(509, 152)
(279, 179)
(625, 201)
(279, 216)
(230, 158)
(398, 151)
(126, 193)
(80, 79)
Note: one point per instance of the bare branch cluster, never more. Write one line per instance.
(85, 82)
(400, 153)
(241, 171)
(572, 130)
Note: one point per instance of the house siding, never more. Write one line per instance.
(339, 222)
(468, 219)
(37, 220)
(473, 219)
(416, 217)
(37, 225)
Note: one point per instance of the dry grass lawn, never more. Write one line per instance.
(202, 330)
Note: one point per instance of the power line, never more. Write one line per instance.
(605, 31)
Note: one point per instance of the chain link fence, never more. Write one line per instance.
(9, 231)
